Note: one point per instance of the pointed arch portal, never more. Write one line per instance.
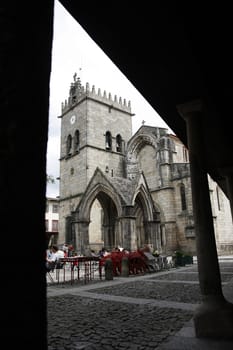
(102, 227)
(104, 219)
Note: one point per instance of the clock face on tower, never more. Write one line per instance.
(72, 119)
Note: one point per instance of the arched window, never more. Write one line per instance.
(108, 141)
(68, 145)
(76, 141)
(183, 197)
(185, 154)
(118, 143)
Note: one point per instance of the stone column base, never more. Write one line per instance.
(214, 319)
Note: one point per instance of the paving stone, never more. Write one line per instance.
(85, 322)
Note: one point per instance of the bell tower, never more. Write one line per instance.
(95, 129)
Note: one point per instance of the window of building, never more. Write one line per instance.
(189, 231)
(76, 141)
(185, 154)
(119, 143)
(55, 208)
(55, 225)
(46, 225)
(108, 141)
(218, 199)
(68, 145)
(183, 197)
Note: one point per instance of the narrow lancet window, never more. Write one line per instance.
(108, 141)
(76, 141)
(183, 198)
(68, 145)
(119, 143)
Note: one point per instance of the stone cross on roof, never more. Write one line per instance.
(75, 76)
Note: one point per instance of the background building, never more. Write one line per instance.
(119, 189)
(52, 220)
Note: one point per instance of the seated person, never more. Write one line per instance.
(53, 260)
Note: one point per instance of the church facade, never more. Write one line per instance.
(120, 189)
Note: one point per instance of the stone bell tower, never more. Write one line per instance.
(95, 129)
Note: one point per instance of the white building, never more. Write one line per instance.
(52, 220)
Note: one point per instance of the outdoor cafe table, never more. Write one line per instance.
(85, 267)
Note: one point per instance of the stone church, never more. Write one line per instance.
(120, 189)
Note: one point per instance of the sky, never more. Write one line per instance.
(75, 52)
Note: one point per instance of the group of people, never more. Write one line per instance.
(54, 254)
(105, 252)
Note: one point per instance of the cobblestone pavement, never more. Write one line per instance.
(136, 312)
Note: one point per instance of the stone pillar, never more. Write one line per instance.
(128, 229)
(118, 236)
(108, 269)
(81, 236)
(125, 267)
(153, 233)
(170, 242)
(107, 243)
(214, 317)
(165, 171)
(26, 47)
(229, 181)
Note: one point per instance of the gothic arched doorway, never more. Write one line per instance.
(141, 236)
(102, 227)
(147, 220)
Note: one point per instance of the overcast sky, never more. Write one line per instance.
(74, 51)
